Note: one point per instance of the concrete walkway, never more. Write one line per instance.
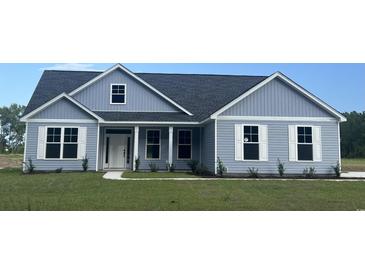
(113, 175)
(353, 175)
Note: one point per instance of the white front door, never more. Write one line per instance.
(118, 151)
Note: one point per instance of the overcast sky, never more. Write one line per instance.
(340, 85)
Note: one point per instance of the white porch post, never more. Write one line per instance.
(171, 132)
(135, 147)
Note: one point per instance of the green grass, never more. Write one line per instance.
(353, 165)
(130, 174)
(88, 191)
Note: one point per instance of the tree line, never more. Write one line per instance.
(12, 132)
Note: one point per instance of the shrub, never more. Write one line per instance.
(170, 167)
(85, 163)
(58, 170)
(202, 170)
(337, 169)
(221, 169)
(281, 168)
(253, 172)
(309, 172)
(29, 166)
(137, 162)
(153, 167)
(193, 164)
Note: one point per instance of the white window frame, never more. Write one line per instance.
(159, 145)
(111, 93)
(61, 143)
(178, 144)
(297, 143)
(243, 142)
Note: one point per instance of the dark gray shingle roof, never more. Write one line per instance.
(201, 94)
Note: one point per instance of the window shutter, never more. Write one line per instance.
(81, 150)
(263, 135)
(292, 143)
(238, 143)
(317, 144)
(41, 148)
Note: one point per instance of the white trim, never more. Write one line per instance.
(339, 146)
(191, 145)
(258, 143)
(63, 121)
(276, 118)
(135, 146)
(61, 143)
(25, 143)
(159, 145)
(171, 141)
(54, 100)
(149, 123)
(215, 147)
(97, 149)
(111, 93)
(291, 83)
(135, 77)
(296, 145)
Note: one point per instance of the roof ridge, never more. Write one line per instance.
(65, 70)
(201, 74)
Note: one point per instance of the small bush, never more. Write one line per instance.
(153, 167)
(193, 165)
(29, 166)
(253, 172)
(221, 169)
(137, 162)
(281, 168)
(58, 170)
(202, 170)
(337, 169)
(309, 172)
(170, 167)
(85, 163)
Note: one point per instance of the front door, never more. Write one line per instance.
(118, 146)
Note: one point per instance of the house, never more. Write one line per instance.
(116, 116)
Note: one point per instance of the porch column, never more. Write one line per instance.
(135, 147)
(171, 132)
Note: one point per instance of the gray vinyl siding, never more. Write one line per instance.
(161, 163)
(48, 165)
(138, 97)
(62, 109)
(208, 146)
(276, 99)
(278, 147)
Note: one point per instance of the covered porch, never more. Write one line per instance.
(120, 145)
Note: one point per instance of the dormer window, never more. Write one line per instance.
(118, 93)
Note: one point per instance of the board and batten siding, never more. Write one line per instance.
(278, 147)
(62, 109)
(161, 163)
(276, 98)
(49, 165)
(139, 98)
(208, 146)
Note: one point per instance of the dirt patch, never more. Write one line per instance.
(10, 160)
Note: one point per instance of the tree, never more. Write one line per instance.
(353, 135)
(12, 130)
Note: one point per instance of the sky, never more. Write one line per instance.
(340, 85)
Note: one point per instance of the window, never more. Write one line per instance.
(118, 94)
(305, 144)
(53, 145)
(70, 143)
(184, 144)
(251, 143)
(61, 142)
(153, 144)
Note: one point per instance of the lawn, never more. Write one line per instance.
(88, 191)
(10, 160)
(353, 165)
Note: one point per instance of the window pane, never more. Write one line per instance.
(255, 138)
(67, 131)
(255, 130)
(53, 151)
(308, 130)
(247, 138)
(153, 151)
(308, 139)
(251, 151)
(300, 138)
(70, 151)
(117, 98)
(153, 137)
(185, 137)
(300, 130)
(184, 151)
(305, 152)
(247, 130)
